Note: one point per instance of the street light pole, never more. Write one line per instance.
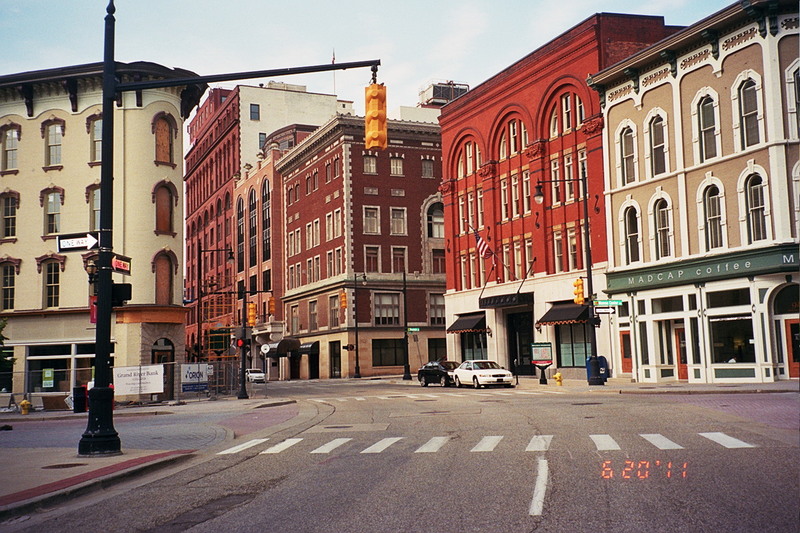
(243, 349)
(355, 322)
(406, 368)
(594, 363)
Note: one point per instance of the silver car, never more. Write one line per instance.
(482, 372)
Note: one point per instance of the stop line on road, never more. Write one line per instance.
(488, 443)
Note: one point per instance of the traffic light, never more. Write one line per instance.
(251, 314)
(375, 126)
(271, 306)
(578, 292)
(343, 300)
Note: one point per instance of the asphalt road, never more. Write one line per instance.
(372, 458)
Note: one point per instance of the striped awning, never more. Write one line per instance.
(471, 323)
(564, 314)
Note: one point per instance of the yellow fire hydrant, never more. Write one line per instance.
(25, 407)
(559, 378)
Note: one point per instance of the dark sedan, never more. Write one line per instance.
(440, 372)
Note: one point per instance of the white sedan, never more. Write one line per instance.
(481, 373)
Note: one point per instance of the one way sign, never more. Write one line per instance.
(78, 242)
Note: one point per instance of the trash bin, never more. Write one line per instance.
(79, 399)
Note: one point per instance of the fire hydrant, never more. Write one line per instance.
(25, 407)
(559, 378)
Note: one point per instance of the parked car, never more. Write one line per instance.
(482, 373)
(440, 372)
(255, 375)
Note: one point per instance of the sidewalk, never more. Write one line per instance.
(37, 477)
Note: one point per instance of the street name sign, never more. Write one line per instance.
(607, 303)
(78, 242)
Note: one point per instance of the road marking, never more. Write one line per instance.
(552, 391)
(604, 442)
(288, 443)
(487, 444)
(726, 440)
(504, 393)
(332, 445)
(527, 392)
(381, 445)
(539, 443)
(539, 489)
(660, 441)
(360, 399)
(243, 446)
(319, 400)
(433, 445)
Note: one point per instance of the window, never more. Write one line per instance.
(388, 352)
(96, 140)
(658, 156)
(372, 258)
(8, 272)
(398, 221)
(9, 137)
(437, 315)
(427, 168)
(436, 221)
(514, 195)
(662, 228)
(631, 221)
(165, 201)
(503, 146)
(55, 133)
(627, 156)
(479, 200)
(438, 261)
(164, 279)
(312, 315)
(748, 113)
(569, 178)
(554, 123)
(294, 319)
(513, 137)
(504, 207)
(370, 164)
(470, 208)
(558, 252)
(94, 209)
(398, 259)
(756, 209)
(707, 126)
(371, 221)
(337, 223)
(462, 224)
(555, 177)
(336, 167)
(266, 222)
(519, 261)
(582, 171)
(255, 112)
(240, 235)
(252, 227)
(387, 308)
(9, 219)
(52, 280)
(165, 129)
(396, 166)
(526, 191)
(333, 311)
(566, 111)
(572, 242)
(262, 139)
(713, 213)
(581, 114)
(52, 213)
(468, 150)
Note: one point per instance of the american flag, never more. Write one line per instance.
(483, 247)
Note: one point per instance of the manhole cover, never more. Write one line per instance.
(66, 465)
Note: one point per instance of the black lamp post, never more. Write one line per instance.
(243, 349)
(355, 322)
(594, 362)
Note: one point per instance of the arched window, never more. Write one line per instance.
(164, 279)
(503, 146)
(626, 156)
(9, 142)
(53, 132)
(165, 130)
(164, 202)
(93, 199)
(9, 201)
(707, 124)
(8, 277)
(436, 221)
(252, 211)
(96, 139)
(662, 228)
(266, 222)
(631, 225)
(658, 156)
(712, 203)
(748, 113)
(756, 209)
(240, 234)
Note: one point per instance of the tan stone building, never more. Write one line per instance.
(50, 139)
(702, 186)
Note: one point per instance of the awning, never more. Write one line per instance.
(309, 347)
(472, 323)
(280, 348)
(564, 314)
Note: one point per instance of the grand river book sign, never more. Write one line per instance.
(147, 379)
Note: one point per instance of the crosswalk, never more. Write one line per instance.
(487, 443)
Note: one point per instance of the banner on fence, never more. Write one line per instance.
(194, 377)
(147, 379)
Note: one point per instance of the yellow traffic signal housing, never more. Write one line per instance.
(578, 292)
(251, 314)
(271, 306)
(343, 299)
(376, 134)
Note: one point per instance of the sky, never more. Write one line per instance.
(417, 41)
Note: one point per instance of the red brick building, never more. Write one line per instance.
(535, 123)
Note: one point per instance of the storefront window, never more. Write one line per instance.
(729, 298)
(473, 346)
(573, 345)
(732, 339)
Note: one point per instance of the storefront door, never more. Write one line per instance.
(335, 351)
(793, 342)
(680, 348)
(627, 354)
(520, 336)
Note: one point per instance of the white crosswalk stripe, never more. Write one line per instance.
(332, 445)
(281, 446)
(243, 446)
(381, 445)
(433, 445)
(539, 443)
(726, 440)
(487, 444)
(604, 442)
(660, 441)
